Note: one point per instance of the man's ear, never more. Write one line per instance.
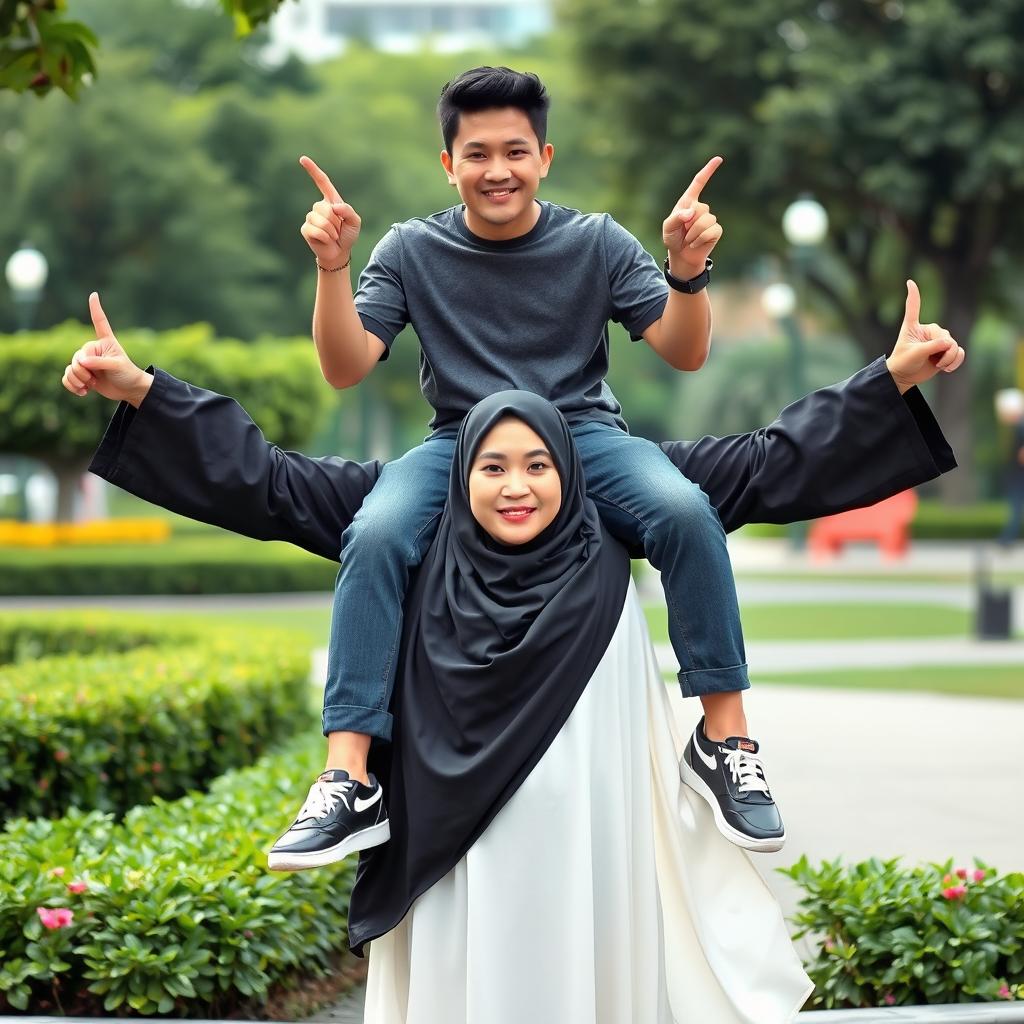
(547, 154)
(446, 163)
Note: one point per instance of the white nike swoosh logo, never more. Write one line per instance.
(361, 805)
(708, 759)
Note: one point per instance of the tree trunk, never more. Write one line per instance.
(69, 473)
(953, 397)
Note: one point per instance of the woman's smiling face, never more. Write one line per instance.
(514, 488)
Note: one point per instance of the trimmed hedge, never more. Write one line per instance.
(933, 521)
(173, 910)
(158, 712)
(888, 935)
(205, 561)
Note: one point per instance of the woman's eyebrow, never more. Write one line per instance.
(500, 455)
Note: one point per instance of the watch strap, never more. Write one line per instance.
(694, 284)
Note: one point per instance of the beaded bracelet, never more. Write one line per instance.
(331, 270)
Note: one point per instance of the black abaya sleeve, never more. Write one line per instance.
(198, 453)
(841, 447)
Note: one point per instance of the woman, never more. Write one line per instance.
(551, 866)
(655, 947)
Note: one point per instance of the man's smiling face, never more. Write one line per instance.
(497, 163)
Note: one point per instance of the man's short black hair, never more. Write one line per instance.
(487, 88)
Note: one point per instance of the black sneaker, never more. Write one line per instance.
(339, 817)
(731, 779)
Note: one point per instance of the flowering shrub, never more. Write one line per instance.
(887, 935)
(166, 711)
(172, 910)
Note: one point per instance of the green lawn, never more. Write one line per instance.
(314, 623)
(965, 680)
(837, 621)
(760, 622)
(827, 574)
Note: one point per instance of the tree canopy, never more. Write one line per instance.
(905, 120)
(42, 48)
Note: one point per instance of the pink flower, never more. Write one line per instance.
(248, 933)
(1004, 992)
(60, 755)
(829, 945)
(889, 999)
(947, 879)
(979, 875)
(56, 872)
(59, 917)
(78, 887)
(955, 892)
(961, 872)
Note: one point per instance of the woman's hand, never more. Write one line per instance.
(104, 367)
(921, 350)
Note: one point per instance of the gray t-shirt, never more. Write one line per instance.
(529, 313)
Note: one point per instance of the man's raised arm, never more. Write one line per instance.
(347, 351)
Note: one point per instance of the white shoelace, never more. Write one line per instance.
(322, 798)
(747, 771)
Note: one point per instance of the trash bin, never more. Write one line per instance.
(993, 617)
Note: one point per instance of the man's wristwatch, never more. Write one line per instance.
(695, 284)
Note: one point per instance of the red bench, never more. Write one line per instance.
(887, 523)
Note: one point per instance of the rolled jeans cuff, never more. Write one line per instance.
(352, 718)
(700, 682)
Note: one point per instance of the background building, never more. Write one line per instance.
(317, 29)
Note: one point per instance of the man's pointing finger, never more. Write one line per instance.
(700, 179)
(320, 179)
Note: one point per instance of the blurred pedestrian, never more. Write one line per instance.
(1010, 410)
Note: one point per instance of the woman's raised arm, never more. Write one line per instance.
(838, 448)
(199, 454)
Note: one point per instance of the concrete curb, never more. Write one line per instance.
(957, 1013)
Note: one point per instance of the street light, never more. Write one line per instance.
(804, 224)
(26, 272)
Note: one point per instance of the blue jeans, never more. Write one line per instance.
(643, 500)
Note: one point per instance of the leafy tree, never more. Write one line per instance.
(42, 49)
(278, 382)
(904, 119)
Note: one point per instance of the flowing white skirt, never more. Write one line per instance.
(602, 893)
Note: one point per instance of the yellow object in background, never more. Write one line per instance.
(101, 531)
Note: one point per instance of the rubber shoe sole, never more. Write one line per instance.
(372, 836)
(701, 788)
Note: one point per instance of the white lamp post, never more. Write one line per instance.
(805, 223)
(26, 272)
(778, 300)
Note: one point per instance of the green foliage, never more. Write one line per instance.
(112, 727)
(744, 385)
(207, 562)
(889, 935)
(41, 49)
(179, 915)
(932, 521)
(277, 381)
(904, 120)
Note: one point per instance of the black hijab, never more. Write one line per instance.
(498, 644)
